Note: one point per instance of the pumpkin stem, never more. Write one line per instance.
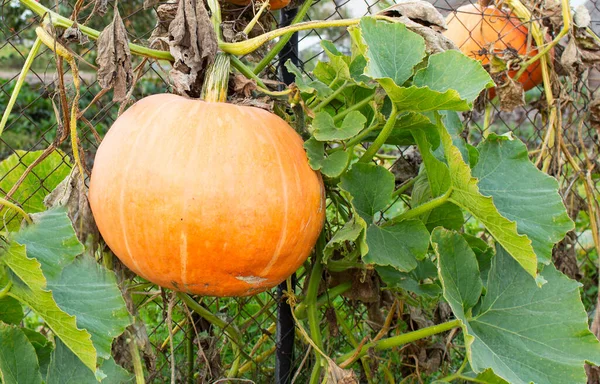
(217, 79)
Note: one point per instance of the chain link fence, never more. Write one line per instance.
(171, 341)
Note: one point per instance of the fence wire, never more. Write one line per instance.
(168, 336)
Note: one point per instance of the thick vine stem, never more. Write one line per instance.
(353, 107)
(20, 81)
(382, 137)
(4, 291)
(248, 46)
(316, 275)
(60, 21)
(421, 209)
(331, 97)
(396, 341)
(217, 79)
(136, 359)
(244, 70)
(17, 209)
(257, 16)
(215, 17)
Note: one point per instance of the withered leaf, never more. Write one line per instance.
(422, 18)
(511, 95)
(265, 103)
(337, 375)
(581, 17)
(114, 58)
(571, 60)
(165, 14)
(243, 86)
(74, 34)
(588, 47)
(150, 3)
(193, 44)
(73, 194)
(419, 11)
(100, 7)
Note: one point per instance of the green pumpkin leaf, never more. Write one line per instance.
(484, 254)
(349, 232)
(66, 368)
(458, 271)
(44, 177)
(399, 245)
(326, 130)
(18, 361)
(306, 85)
(371, 188)
(43, 349)
(29, 287)
(522, 193)
(392, 50)
(438, 173)
(75, 283)
(412, 281)
(331, 165)
(51, 241)
(455, 128)
(523, 332)
(115, 374)
(423, 99)
(452, 70)
(11, 311)
(447, 215)
(337, 61)
(466, 194)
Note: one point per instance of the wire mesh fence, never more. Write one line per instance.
(173, 343)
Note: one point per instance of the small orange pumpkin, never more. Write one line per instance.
(206, 198)
(275, 4)
(480, 31)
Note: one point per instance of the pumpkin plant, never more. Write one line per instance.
(213, 198)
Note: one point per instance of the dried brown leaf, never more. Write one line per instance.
(581, 17)
(243, 86)
(150, 3)
(165, 14)
(74, 34)
(594, 109)
(587, 46)
(337, 375)
(114, 58)
(100, 7)
(570, 59)
(193, 44)
(265, 103)
(511, 95)
(365, 284)
(419, 11)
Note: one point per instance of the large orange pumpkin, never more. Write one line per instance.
(275, 4)
(480, 32)
(206, 198)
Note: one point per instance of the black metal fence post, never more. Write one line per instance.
(285, 321)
